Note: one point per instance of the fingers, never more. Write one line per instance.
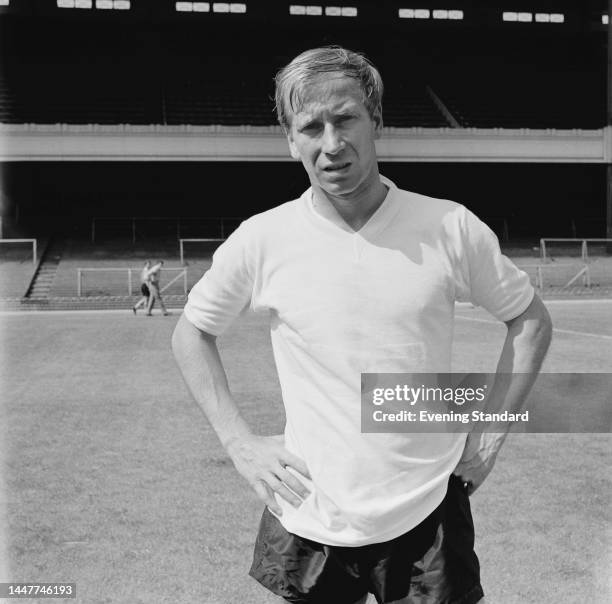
(271, 470)
(461, 468)
(293, 461)
(293, 483)
(468, 486)
(284, 492)
(471, 478)
(264, 492)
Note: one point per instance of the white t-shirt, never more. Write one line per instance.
(341, 303)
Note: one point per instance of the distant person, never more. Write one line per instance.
(144, 287)
(153, 285)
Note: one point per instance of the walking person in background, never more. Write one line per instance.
(154, 274)
(144, 287)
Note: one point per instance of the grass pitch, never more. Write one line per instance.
(114, 480)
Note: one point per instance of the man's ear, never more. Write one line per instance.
(292, 146)
(378, 124)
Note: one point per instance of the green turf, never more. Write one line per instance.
(115, 480)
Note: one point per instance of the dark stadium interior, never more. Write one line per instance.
(156, 66)
(206, 71)
(536, 199)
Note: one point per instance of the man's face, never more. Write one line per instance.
(333, 136)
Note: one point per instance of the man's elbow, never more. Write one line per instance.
(535, 322)
(182, 334)
(185, 336)
(546, 327)
(176, 339)
(542, 323)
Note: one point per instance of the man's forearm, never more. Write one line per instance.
(523, 352)
(153, 269)
(262, 460)
(198, 359)
(524, 349)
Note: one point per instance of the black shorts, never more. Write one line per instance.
(144, 289)
(434, 563)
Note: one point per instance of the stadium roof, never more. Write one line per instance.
(577, 14)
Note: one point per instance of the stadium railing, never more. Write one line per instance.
(563, 276)
(111, 285)
(569, 242)
(141, 227)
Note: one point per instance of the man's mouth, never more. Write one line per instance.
(337, 167)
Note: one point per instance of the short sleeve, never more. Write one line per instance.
(487, 277)
(226, 288)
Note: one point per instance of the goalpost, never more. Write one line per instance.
(32, 243)
(572, 247)
(207, 247)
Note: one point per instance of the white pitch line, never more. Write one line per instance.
(120, 311)
(579, 301)
(553, 301)
(555, 329)
(179, 310)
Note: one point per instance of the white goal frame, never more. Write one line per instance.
(196, 240)
(34, 243)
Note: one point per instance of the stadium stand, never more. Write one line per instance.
(61, 70)
(166, 77)
(482, 98)
(545, 97)
(112, 95)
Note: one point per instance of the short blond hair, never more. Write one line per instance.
(292, 80)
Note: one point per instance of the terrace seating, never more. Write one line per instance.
(128, 85)
(520, 96)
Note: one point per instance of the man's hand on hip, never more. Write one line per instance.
(265, 464)
(478, 458)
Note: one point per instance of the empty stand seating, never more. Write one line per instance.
(104, 74)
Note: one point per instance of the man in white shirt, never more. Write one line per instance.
(357, 276)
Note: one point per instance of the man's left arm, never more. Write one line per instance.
(153, 269)
(527, 341)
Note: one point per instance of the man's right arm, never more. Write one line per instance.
(262, 461)
(152, 270)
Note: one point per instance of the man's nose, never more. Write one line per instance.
(332, 140)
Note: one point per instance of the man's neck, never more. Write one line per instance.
(355, 210)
